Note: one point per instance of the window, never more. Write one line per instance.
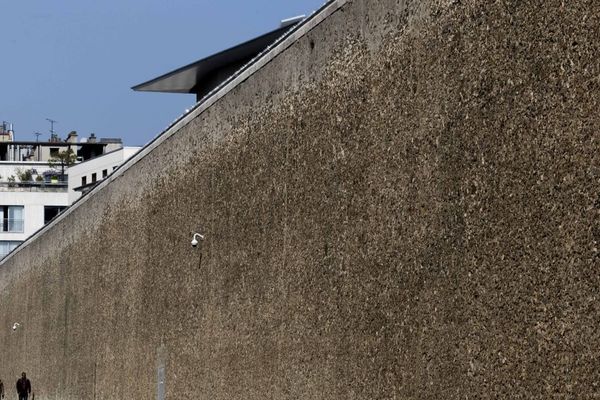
(6, 246)
(53, 152)
(52, 211)
(83, 180)
(12, 218)
(93, 177)
(104, 173)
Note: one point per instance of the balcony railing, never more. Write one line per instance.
(12, 225)
(33, 187)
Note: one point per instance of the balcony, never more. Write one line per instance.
(33, 187)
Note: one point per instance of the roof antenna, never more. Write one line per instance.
(52, 122)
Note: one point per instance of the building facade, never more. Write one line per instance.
(86, 174)
(34, 184)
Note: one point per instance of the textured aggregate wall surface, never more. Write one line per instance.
(404, 204)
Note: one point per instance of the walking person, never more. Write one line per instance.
(23, 387)
(1, 389)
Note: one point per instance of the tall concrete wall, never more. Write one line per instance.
(405, 203)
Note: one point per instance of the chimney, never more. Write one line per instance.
(72, 137)
(92, 138)
(6, 130)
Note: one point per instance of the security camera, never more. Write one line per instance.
(195, 241)
(16, 325)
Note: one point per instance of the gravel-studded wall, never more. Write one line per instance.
(403, 204)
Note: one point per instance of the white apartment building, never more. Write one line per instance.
(84, 175)
(33, 190)
(25, 209)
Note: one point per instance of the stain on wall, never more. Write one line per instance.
(403, 204)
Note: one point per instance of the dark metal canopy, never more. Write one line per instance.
(202, 76)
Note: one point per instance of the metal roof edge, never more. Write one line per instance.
(140, 87)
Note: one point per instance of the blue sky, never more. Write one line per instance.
(75, 61)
